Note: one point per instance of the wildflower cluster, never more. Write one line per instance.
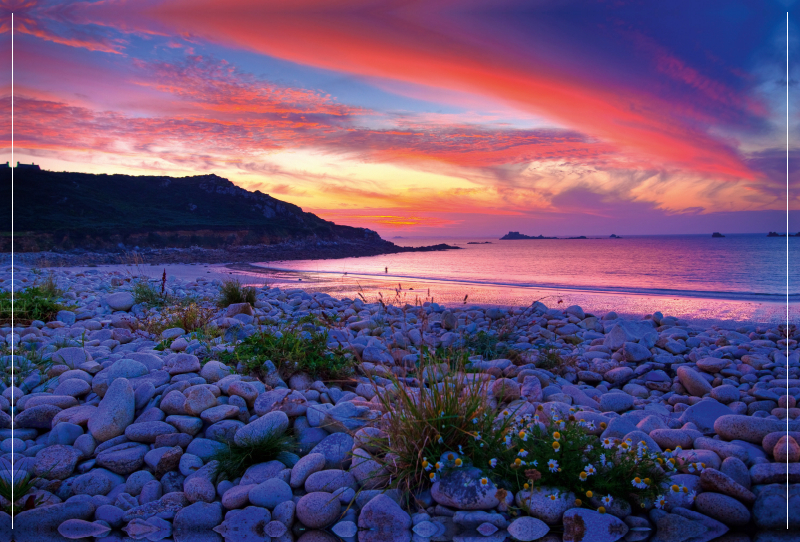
(545, 450)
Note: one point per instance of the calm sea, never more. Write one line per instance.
(737, 267)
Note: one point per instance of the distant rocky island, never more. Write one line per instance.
(479, 243)
(515, 236)
(776, 234)
(717, 234)
(200, 218)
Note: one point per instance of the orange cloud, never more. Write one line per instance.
(400, 41)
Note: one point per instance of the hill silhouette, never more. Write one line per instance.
(62, 210)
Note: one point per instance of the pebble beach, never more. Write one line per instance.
(120, 426)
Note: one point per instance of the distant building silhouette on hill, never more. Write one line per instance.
(21, 166)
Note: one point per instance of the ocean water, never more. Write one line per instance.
(737, 267)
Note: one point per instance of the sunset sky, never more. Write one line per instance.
(426, 118)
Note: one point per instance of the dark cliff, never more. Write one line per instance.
(55, 210)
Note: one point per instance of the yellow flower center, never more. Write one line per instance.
(602, 509)
(589, 494)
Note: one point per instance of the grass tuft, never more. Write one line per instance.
(232, 292)
(550, 359)
(20, 486)
(35, 303)
(292, 351)
(235, 460)
(189, 316)
(428, 421)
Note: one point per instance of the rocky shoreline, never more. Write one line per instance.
(121, 420)
(290, 250)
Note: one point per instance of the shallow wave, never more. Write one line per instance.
(708, 294)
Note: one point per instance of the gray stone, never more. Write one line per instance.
(346, 417)
(714, 480)
(635, 352)
(162, 460)
(199, 517)
(120, 301)
(345, 529)
(182, 364)
(213, 371)
(336, 450)
(198, 399)
(685, 525)
(669, 439)
(147, 432)
(185, 424)
(110, 514)
(93, 483)
(769, 510)
(78, 528)
(223, 431)
(56, 462)
(270, 493)
(736, 469)
(369, 473)
(38, 417)
(704, 414)
(526, 529)
(725, 394)
(461, 489)
(115, 412)
(774, 473)
(616, 402)
(304, 468)
(276, 529)
(269, 424)
(293, 403)
(583, 525)
(750, 429)
(124, 458)
(248, 525)
(539, 504)
(329, 481)
(136, 481)
(72, 356)
(382, 515)
(722, 508)
(693, 381)
(318, 510)
(262, 472)
(42, 523)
